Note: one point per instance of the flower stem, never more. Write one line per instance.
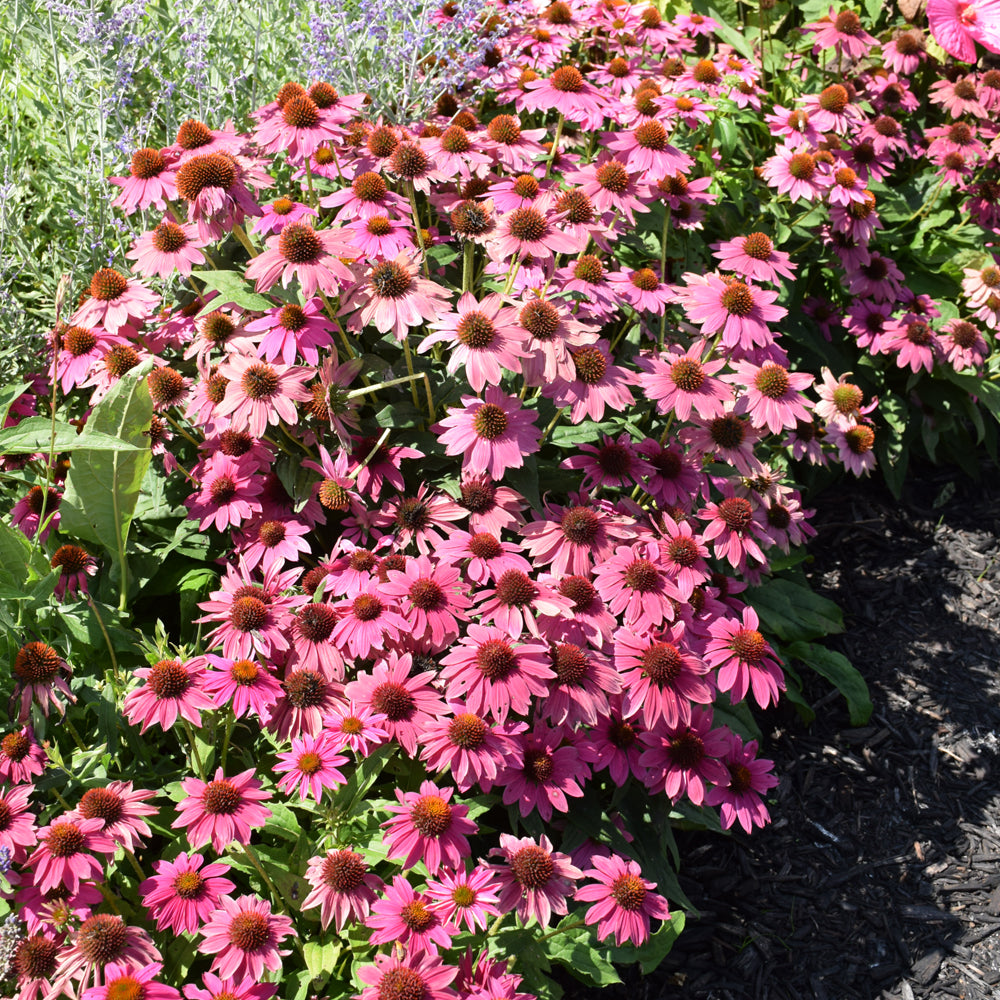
(225, 740)
(552, 423)
(195, 756)
(555, 145)
(561, 930)
(467, 265)
(245, 240)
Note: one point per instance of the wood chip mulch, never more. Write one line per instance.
(880, 875)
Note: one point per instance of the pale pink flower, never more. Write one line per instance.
(342, 886)
(260, 394)
(313, 256)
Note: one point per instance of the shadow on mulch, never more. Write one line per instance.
(880, 875)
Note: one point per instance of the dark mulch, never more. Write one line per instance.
(880, 875)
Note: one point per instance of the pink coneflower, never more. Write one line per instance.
(244, 935)
(408, 703)
(584, 680)
(493, 433)
(227, 494)
(516, 148)
(382, 236)
(740, 312)
(115, 302)
(290, 330)
(308, 695)
(428, 827)
(17, 824)
(472, 748)
(184, 892)
(736, 527)
(529, 232)
(462, 897)
(683, 760)
(314, 257)
(681, 382)
(373, 471)
(342, 886)
(913, 342)
(486, 342)
(244, 683)
(904, 53)
(614, 462)
(729, 438)
(367, 621)
(356, 727)
(981, 284)
(455, 154)
(297, 129)
(676, 477)
(494, 674)
(221, 810)
(597, 385)
(683, 554)
(832, 110)
(643, 289)
(515, 601)
(841, 31)
(34, 964)
(533, 878)
(311, 765)
(28, 512)
(957, 26)
(280, 213)
(854, 446)
(484, 555)
(660, 676)
(21, 758)
(431, 599)
(411, 974)
(749, 778)
(574, 538)
(273, 543)
(311, 637)
(745, 659)
(793, 172)
(80, 350)
(551, 332)
(170, 247)
(392, 296)
(624, 900)
(611, 186)
(404, 917)
(773, 396)
(214, 185)
(567, 92)
(129, 981)
(634, 585)
(230, 989)
(39, 671)
(418, 518)
(963, 345)
(646, 149)
(490, 507)
(366, 197)
(65, 855)
(260, 394)
(552, 771)
(150, 182)
(121, 808)
(754, 257)
(172, 689)
(840, 401)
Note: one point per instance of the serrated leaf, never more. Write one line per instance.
(102, 487)
(840, 672)
(233, 290)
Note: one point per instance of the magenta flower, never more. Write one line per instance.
(280, 213)
(683, 759)
(292, 329)
(485, 338)
(121, 808)
(245, 936)
(754, 257)
(567, 92)
(414, 972)
(150, 182)
(403, 917)
(297, 129)
(342, 886)
(842, 32)
(394, 297)
(749, 778)
(259, 394)
(584, 680)
(735, 529)
(184, 892)
(229, 989)
(17, 823)
(227, 494)
(634, 585)
(428, 827)
(170, 247)
(492, 434)
(65, 855)
(552, 771)
(773, 397)
(244, 683)
(367, 621)
(129, 981)
(624, 900)
(738, 311)
(430, 597)
(493, 674)
(463, 897)
(41, 676)
(115, 303)
(470, 747)
(357, 728)
(529, 232)
(172, 689)
(533, 878)
(643, 289)
(21, 758)
(308, 695)
(646, 149)
(408, 703)
(598, 384)
(957, 26)
(745, 659)
(854, 446)
(793, 172)
(614, 462)
(221, 810)
(311, 765)
(314, 257)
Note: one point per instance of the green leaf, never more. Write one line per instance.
(839, 670)
(8, 396)
(321, 958)
(793, 611)
(35, 434)
(731, 36)
(580, 953)
(102, 487)
(232, 290)
(656, 947)
(16, 555)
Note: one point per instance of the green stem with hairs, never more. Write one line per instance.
(468, 265)
(555, 145)
(552, 423)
